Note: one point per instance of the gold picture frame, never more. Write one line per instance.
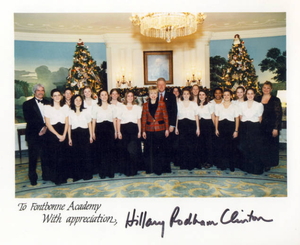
(158, 64)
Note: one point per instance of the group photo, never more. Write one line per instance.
(109, 120)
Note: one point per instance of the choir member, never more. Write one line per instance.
(116, 101)
(239, 95)
(177, 93)
(88, 100)
(226, 128)
(80, 138)
(270, 125)
(67, 97)
(155, 128)
(207, 129)
(195, 92)
(187, 127)
(250, 134)
(57, 121)
(104, 132)
(129, 133)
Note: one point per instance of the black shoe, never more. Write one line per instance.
(232, 169)
(207, 165)
(33, 182)
(267, 169)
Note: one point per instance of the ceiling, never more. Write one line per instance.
(104, 23)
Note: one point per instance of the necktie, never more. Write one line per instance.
(161, 97)
(39, 101)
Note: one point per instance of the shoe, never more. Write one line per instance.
(207, 165)
(267, 169)
(33, 182)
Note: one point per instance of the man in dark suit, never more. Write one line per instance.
(171, 104)
(35, 132)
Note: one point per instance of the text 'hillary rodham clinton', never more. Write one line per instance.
(143, 220)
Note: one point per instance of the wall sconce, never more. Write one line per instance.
(122, 81)
(193, 77)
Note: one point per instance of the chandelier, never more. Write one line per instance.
(167, 26)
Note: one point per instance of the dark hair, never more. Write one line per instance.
(64, 98)
(240, 87)
(218, 89)
(99, 100)
(179, 91)
(253, 92)
(73, 107)
(185, 89)
(228, 90)
(52, 102)
(206, 99)
(113, 90)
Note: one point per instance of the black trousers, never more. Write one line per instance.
(154, 152)
(35, 150)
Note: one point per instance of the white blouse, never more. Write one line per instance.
(56, 116)
(206, 111)
(127, 116)
(79, 121)
(187, 112)
(253, 113)
(89, 107)
(118, 107)
(227, 113)
(101, 115)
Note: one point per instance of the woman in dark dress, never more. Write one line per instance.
(270, 126)
(187, 127)
(227, 126)
(57, 121)
(250, 137)
(207, 129)
(80, 138)
(104, 132)
(155, 128)
(129, 134)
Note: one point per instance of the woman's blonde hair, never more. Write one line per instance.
(152, 88)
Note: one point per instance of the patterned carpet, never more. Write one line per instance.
(179, 183)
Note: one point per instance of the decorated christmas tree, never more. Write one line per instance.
(239, 69)
(84, 71)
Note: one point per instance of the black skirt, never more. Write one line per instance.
(55, 155)
(225, 145)
(250, 146)
(81, 154)
(130, 149)
(187, 144)
(105, 149)
(205, 142)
